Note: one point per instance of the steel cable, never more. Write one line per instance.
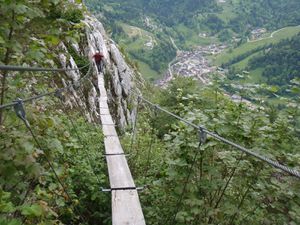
(38, 69)
(76, 84)
(226, 141)
(148, 160)
(80, 139)
(19, 109)
(178, 204)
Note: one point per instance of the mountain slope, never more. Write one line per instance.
(189, 23)
(51, 171)
(280, 63)
(266, 13)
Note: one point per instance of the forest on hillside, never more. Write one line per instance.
(194, 182)
(265, 13)
(280, 62)
(184, 21)
(271, 64)
(246, 14)
(168, 12)
(45, 175)
(51, 160)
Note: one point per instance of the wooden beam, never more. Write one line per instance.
(103, 104)
(119, 173)
(104, 111)
(109, 130)
(106, 119)
(126, 207)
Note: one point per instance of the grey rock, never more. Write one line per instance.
(119, 76)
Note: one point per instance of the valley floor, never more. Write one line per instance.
(194, 63)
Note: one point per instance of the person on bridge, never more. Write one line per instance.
(99, 60)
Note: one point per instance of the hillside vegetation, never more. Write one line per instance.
(264, 13)
(30, 35)
(190, 24)
(245, 50)
(52, 170)
(165, 19)
(224, 186)
(280, 63)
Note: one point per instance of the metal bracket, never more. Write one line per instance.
(116, 154)
(76, 85)
(20, 111)
(202, 136)
(122, 189)
(155, 110)
(58, 94)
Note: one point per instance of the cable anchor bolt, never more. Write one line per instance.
(202, 136)
(20, 111)
(76, 85)
(139, 99)
(122, 189)
(59, 95)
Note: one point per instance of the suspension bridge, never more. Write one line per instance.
(125, 203)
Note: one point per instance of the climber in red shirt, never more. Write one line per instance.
(99, 61)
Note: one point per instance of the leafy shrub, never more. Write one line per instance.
(74, 15)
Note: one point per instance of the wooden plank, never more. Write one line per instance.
(104, 111)
(109, 130)
(103, 98)
(106, 120)
(118, 171)
(100, 80)
(112, 145)
(126, 208)
(103, 104)
(102, 91)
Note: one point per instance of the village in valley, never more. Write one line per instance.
(194, 63)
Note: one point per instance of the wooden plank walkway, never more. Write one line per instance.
(126, 207)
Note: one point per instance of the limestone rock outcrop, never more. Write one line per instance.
(118, 75)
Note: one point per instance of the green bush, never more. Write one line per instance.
(79, 59)
(73, 15)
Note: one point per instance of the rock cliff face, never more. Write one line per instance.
(119, 77)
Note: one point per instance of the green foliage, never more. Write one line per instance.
(225, 186)
(29, 188)
(74, 15)
(29, 18)
(29, 191)
(270, 14)
(280, 62)
(80, 60)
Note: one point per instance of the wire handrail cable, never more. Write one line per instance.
(214, 135)
(8, 105)
(38, 69)
(20, 112)
(178, 204)
(226, 141)
(80, 140)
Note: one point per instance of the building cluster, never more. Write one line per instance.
(258, 33)
(195, 63)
